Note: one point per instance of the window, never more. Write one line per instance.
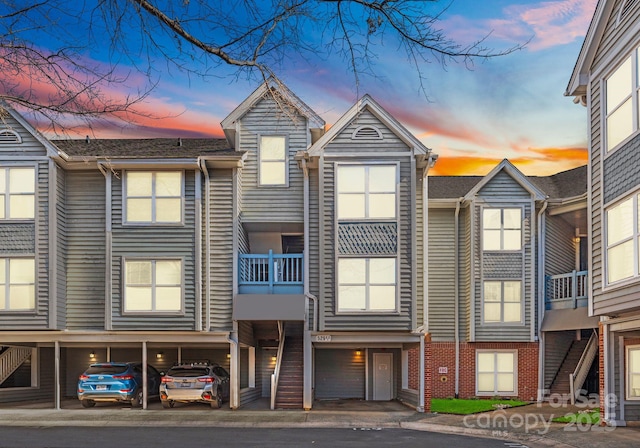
(633, 372)
(496, 373)
(366, 192)
(153, 286)
(17, 284)
(502, 228)
(273, 160)
(17, 193)
(502, 302)
(623, 230)
(153, 197)
(621, 90)
(367, 284)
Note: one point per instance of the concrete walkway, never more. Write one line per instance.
(529, 425)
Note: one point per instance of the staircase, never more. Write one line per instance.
(560, 384)
(10, 359)
(290, 384)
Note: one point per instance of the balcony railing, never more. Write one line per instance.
(270, 274)
(568, 290)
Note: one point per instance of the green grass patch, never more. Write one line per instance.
(586, 417)
(464, 407)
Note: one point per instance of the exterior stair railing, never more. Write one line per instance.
(275, 376)
(579, 375)
(11, 359)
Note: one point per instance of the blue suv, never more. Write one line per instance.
(116, 382)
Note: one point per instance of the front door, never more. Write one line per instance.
(382, 376)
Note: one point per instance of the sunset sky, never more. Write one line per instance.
(507, 107)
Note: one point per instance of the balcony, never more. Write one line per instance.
(270, 274)
(566, 291)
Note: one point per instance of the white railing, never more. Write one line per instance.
(11, 359)
(275, 376)
(569, 287)
(579, 375)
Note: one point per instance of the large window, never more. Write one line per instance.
(502, 302)
(153, 286)
(273, 160)
(496, 373)
(621, 90)
(17, 193)
(623, 229)
(366, 192)
(17, 284)
(502, 228)
(367, 284)
(633, 372)
(153, 197)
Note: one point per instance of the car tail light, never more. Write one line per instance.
(205, 380)
(167, 380)
(126, 390)
(84, 377)
(122, 377)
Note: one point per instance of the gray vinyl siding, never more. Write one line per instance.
(265, 367)
(85, 240)
(268, 118)
(501, 191)
(30, 145)
(556, 346)
(221, 242)
(466, 273)
(344, 143)
(314, 236)
(368, 321)
(247, 395)
(441, 274)
(560, 252)
(339, 374)
(154, 242)
(614, 46)
(45, 389)
(62, 254)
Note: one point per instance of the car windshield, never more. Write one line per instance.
(188, 372)
(106, 369)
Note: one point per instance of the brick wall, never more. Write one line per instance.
(601, 368)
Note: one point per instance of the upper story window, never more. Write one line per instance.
(366, 191)
(621, 95)
(17, 284)
(623, 240)
(273, 160)
(153, 197)
(153, 286)
(502, 228)
(502, 302)
(367, 284)
(17, 193)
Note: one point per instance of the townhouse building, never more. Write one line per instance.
(312, 263)
(606, 80)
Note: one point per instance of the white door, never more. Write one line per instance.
(382, 376)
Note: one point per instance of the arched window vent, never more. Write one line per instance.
(366, 133)
(8, 136)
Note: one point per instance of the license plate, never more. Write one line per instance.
(185, 385)
(101, 387)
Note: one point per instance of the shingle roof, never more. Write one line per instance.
(566, 184)
(146, 148)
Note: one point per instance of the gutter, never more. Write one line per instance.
(207, 224)
(541, 300)
(456, 295)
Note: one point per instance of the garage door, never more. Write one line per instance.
(339, 374)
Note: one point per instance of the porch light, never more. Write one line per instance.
(274, 358)
(159, 355)
(92, 355)
(576, 239)
(358, 352)
(228, 355)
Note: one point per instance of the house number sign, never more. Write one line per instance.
(323, 338)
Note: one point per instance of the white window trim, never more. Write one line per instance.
(515, 373)
(153, 260)
(627, 372)
(366, 165)
(367, 284)
(8, 194)
(502, 323)
(7, 285)
(153, 198)
(285, 161)
(635, 238)
(502, 228)
(635, 98)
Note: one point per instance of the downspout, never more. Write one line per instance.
(532, 275)
(541, 299)
(456, 294)
(198, 250)
(207, 245)
(307, 391)
(108, 289)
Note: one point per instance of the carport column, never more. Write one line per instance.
(144, 375)
(57, 373)
(234, 369)
(426, 364)
(307, 395)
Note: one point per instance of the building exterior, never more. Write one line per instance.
(606, 80)
(311, 263)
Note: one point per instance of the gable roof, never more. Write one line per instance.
(515, 174)
(366, 102)
(52, 151)
(274, 85)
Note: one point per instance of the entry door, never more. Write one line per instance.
(382, 376)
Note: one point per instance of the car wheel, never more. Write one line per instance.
(136, 401)
(167, 404)
(218, 403)
(88, 403)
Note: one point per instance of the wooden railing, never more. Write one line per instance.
(566, 290)
(270, 270)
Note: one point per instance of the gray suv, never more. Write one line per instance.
(202, 382)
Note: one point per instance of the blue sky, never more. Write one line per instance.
(506, 107)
